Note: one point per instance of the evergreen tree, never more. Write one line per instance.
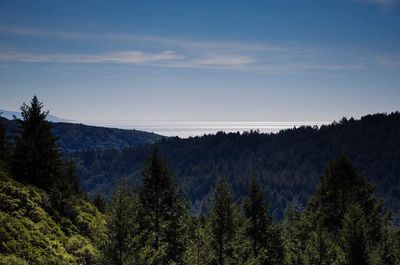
(120, 246)
(258, 222)
(162, 212)
(198, 251)
(345, 206)
(4, 150)
(66, 190)
(36, 158)
(388, 250)
(322, 249)
(264, 236)
(100, 203)
(340, 187)
(296, 230)
(222, 224)
(353, 236)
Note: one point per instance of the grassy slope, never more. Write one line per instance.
(29, 234)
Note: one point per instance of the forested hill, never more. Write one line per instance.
(76, 137)
(288, 163)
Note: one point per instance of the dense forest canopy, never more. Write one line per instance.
(288, 163)
(45, 217)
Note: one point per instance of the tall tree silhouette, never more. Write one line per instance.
(264, 236)
(4, 150)
(120, 246)
(258, 222)
(222, 224)
(37, 159)
(161, 213)
(340, 187)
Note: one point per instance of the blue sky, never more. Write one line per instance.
(202, 60)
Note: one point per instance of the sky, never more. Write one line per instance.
(238, 60)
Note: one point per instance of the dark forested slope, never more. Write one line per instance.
(75, 137)
(288, 163)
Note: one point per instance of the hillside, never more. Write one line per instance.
(10, 116)
(76, 137)
(31, 235)
(289, 163)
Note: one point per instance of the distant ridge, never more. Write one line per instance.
(10, 116)
(74, 137)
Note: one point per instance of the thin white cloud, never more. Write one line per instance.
(136, 38)
(182, 53)
(132, 57)
(224, 60)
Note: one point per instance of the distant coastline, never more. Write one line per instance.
(186, 129)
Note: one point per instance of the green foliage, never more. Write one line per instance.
(341, 187)
(344, 223)
(30, 235)
(51, 222)
(222, 222)
(120, 246)
(353, 236)
(322, 249)
(198, 239)
(288, 163)
(100, 203)
(161, 214)
(296, 229)
(388, 250)
(266, 245)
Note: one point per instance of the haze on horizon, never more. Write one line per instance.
(201, 60)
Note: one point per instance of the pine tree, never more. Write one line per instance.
(340, 187)
(258, 222)
(264, 236)
(344, 205)
(120, 246)
(36, 158)
(296, 233)
(387, 251)
(322, 249)
(222, 224)
(162, 212)
(66, 190)
(353, 236)
(4, 150)
(198, 251)
(100, 203)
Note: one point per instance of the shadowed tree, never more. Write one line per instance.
(340, 187)
(222, 224)
(4, 148)
(100, 203)
(258, 222)
(162, 211)
(120, 246)
(353, 236)
(36, 158)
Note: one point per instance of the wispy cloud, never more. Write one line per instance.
(137, 38)
(385, 5)
(231, 60)
(183, 53)
(132, 57)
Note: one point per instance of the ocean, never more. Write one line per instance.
(185, 129)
